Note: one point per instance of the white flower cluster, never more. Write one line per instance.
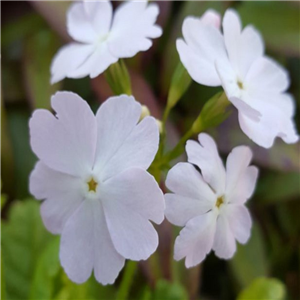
(92, 169)
(255, 84)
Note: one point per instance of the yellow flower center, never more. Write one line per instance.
(240, 84)
(92, 184)
(219, 202)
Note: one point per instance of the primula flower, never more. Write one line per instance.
(211, 204)
(101, 38)
(92, 175)
(254, 83)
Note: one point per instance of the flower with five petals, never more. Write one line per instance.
(211, 204)
(101, 38)
(92, 175)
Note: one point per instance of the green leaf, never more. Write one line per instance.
(20, 28)
(250, 260)
(3, 197)
(146, 295)
(285, 187)
(90, 290)
(169, 291)
(47, 268)
(278, 21)
(6, 157)
(3, 285)
(24, 159)
(14, 91)
(24, 238)
(264, 289)
(38, 54)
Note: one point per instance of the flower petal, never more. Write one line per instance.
(180, 209)
(133, 26)
(237, 96)
(79, 25)
(239, 221)
(251, 47)
(122, 143)
(240, 178)
(211, 17)
(245, 109)
(267, 75)
(62, 192)
(205, 155)
(86, 244)
(196, 239)
(203, 45)
(96, 64)
(65, 142)
(138, 191)
(68, 59)
(224, 243)
(183, 179)
(192, 195)
(133, 236)
(276, 120)
(107, 261)
(228, 78)
(232, 30)
(99, 14)
(76, 246)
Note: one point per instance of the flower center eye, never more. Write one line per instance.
(103, 38)
(92, 185)
(240, 84)
(219, 202)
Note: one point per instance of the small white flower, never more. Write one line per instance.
(101, 38)
(210, 205)
(92, 175)
(254, 83)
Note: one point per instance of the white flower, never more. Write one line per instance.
(210, 206)
(92, 175)
(102, 39)
(254, 83)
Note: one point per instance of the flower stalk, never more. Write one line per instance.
(181, 80)
(117, 76)
(127, 280)
(213, 113)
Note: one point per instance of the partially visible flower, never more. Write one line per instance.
(92, 175)
(254, 83)
(101, 38)
(211, 204)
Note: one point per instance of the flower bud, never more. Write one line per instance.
(145, 112)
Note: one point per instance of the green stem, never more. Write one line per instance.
(118, 78)
(179, 148)
(163, 133)
(165, 117)
(180, 82)
(212, 114)
(127, 280)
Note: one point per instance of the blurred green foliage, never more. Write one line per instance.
(31, 263)
(263, 288)
(30, 267)
(242, 264)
